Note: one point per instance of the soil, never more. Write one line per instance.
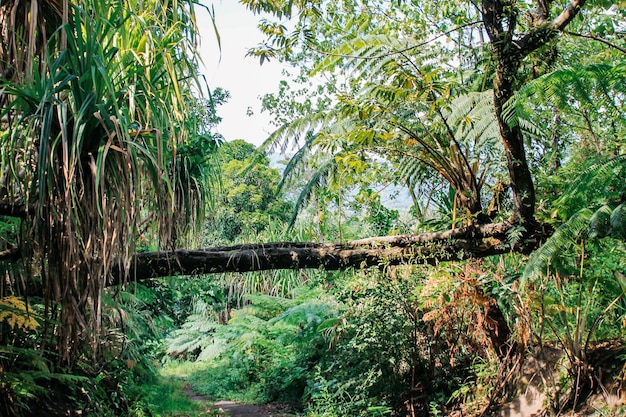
(233, 409)
(543, 371)
(246, 410)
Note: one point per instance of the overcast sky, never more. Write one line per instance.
(232, 70)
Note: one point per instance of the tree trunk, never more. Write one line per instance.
(500, 20)
(519, 173)
(508, 58)
(429, 248)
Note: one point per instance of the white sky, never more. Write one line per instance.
(242, 76)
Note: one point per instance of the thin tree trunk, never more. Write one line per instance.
(521, 179)
(509, 49)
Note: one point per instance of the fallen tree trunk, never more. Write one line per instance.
(428, 248)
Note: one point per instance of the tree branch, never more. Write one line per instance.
(544, 33)
(568, 14)
(596, 38)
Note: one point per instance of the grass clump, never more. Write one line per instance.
(167, 397)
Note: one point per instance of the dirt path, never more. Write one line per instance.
(244, 410)
(232, 409)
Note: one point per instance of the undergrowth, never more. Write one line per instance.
(166, 397)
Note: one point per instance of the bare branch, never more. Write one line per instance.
(596, 38)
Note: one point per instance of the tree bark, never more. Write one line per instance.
(429, 248)
(500, 20)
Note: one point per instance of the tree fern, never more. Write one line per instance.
(595, 193)
(195, 335)
(597, 87)
(396, 112)
(192, 338)
(597, 185)
(563, 237)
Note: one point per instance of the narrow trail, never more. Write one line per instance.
(245, 410)
(233, 409)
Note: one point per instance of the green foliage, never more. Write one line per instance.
(596, 194)
(582, 291)
(381, 220)
(384, 340)
(372, 357)
(166, 397)
(250, 199)
(574, 280)
(94, 131)
(32, 383)
(263, 353)
(578, 303)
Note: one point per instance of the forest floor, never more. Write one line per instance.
(247, 410)
(540, 377)
(233, 409)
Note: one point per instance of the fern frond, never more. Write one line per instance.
(291, 133)
(600, 222)
(297, 160)
(361, 52)
(594, 186)
(595, 86)
(618, 222)
(565, 236)
(305, 314)
(213, 350)
(319, 178)
(194, 334)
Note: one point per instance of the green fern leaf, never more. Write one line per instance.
(594, 186)
(600, 222)
(565, 236)
(618, 222)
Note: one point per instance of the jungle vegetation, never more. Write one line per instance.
(137, 244)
